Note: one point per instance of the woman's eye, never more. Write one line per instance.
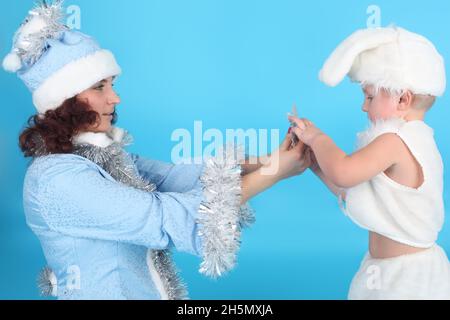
(99, 87)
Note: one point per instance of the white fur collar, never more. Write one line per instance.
(378, 128)
(100, 139)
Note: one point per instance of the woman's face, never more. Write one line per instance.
(102, 98)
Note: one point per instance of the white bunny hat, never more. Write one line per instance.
(391, 58)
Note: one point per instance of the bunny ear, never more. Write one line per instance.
(30, 41)
(340, 62)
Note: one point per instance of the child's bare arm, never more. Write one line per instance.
(337, 191)
(344, 170)
(349, 170)
(314, 167)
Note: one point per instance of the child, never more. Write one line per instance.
(393, 185)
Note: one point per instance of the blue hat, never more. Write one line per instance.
(56, 63)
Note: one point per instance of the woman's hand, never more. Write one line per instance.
(283, 163)
(309, 154)
(286, 161)
(305, 130)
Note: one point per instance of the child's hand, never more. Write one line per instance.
(305, 130)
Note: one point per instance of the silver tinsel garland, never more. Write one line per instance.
(114, 160)
(47, 283)
(175, 287)
(221, 217)
(32, 46)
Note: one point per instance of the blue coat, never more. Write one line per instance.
(96, 232)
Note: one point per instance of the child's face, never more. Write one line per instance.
(380, 106)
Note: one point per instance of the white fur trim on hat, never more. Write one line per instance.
(392, 58)
(74, 78)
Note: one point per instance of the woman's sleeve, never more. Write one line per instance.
(184, 177)
(205, 220)
(168, 177)
(78, 200)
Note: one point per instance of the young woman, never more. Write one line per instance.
(106, 218)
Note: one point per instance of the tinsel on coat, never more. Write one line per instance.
(221, 216)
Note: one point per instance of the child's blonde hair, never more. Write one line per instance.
(420, 101)
(423, 101)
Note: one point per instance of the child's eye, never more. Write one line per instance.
(370, 98)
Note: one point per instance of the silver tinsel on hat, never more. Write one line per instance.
(30, 47)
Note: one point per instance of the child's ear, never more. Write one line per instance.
(405, 101)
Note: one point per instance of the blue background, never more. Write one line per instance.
(231, 64)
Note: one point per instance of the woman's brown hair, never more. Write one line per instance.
(56, 128)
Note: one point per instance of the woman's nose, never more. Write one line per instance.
(114, 98)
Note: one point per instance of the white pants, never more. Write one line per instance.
(419, 276)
